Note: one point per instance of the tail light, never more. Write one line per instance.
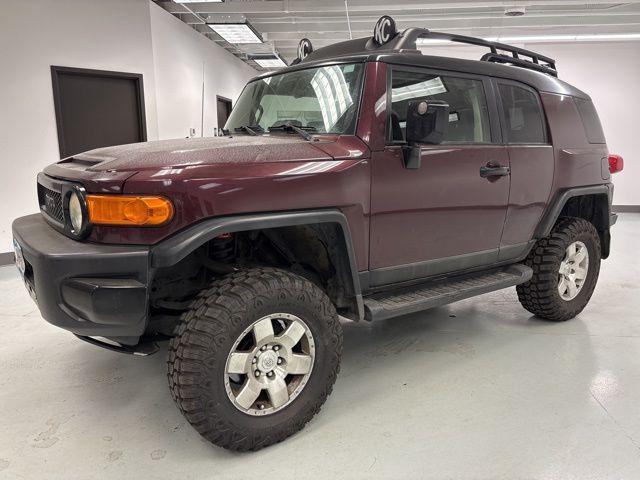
(616, 163)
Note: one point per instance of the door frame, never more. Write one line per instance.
(224, 99)
(57, 99)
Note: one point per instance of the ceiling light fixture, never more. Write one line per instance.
(236, 32)
(269, 60)
(198, 1)
(515, 11)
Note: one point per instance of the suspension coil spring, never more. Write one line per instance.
(222, 248)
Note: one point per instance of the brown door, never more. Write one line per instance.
(532, 164)
(447, 215)
(224, 110)
(97, 109)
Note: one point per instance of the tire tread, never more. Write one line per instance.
(208, 322)
(540, 294)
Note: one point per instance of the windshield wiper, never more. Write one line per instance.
(288, 127)
(250, 129)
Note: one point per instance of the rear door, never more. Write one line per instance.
(526, 135)
(444, 216)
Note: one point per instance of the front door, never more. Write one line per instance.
(447, 215)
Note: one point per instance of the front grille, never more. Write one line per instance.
(51, 203)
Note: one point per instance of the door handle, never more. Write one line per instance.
(494, 170)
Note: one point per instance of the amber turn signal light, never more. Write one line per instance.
(129, 210)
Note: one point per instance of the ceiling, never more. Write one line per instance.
(282, 23)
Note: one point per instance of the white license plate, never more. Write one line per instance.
(19, 258)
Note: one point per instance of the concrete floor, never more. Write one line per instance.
(475, 390)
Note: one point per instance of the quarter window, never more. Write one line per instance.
(468, 117)
(590, 121)
(523, 115)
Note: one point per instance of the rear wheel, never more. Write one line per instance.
(565, 267)
(255, 358)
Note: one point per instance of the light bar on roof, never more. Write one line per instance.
(236, 32)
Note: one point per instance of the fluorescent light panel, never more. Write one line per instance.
(542, 38)
(270, 62)
(235, 32)
(198, 1)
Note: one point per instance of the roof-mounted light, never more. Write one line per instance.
(384, 30)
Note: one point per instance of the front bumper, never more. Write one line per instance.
(89, 289)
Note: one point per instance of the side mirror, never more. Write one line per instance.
(427, 123)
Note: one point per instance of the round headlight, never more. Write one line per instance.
(75, 212)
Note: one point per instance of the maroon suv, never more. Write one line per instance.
(366, 181)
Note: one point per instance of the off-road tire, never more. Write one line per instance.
(205, 336)
(540, 295)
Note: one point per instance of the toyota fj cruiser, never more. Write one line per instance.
(367, 181)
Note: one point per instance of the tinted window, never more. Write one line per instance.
(523, 115)
(590, 120)
(468, 118)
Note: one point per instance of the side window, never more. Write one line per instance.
(523, 115)
(469, 115)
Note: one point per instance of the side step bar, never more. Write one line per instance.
(142, 349)
(435, 293)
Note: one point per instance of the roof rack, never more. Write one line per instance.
(535, 61)
(387, 38)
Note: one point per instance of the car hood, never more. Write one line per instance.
(202, 151)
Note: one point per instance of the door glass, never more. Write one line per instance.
(468, 117)
(523, 115)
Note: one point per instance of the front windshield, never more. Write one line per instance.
(318, 100)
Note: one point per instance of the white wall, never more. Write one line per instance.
(609, 73)
(180, 54)
(122, 35)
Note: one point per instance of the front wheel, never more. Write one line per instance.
(565, 267)
(255, 358)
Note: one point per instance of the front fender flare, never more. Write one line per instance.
(171, 251)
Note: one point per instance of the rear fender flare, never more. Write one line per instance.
(555, 208)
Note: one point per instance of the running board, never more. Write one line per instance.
(142, 349)
(435, 293)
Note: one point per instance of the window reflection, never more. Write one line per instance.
(321, 100)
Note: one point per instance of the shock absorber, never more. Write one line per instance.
(222, 248)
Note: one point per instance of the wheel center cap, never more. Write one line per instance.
(267, 361)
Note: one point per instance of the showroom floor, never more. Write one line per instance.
(476, 390)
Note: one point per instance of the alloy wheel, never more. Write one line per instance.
(269, 364)
(573, 270)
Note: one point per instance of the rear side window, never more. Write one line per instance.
(468, 117)
(525, 122)
(590, 120)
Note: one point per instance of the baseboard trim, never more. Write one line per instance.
(6, 259)
(626, 208)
